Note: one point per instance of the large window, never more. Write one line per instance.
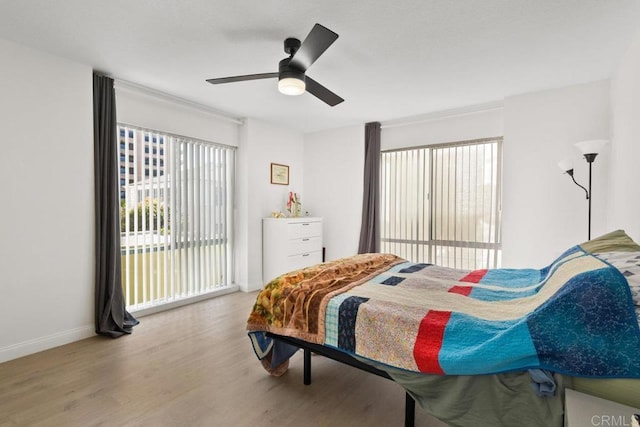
(176, 201)
(441, 203)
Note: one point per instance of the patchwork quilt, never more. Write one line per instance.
(574, 317)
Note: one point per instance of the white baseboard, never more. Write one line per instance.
(35, 345)
(251, 287)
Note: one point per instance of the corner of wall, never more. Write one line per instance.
(260, 145)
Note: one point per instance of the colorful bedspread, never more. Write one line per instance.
(574, 317)
(294, 304)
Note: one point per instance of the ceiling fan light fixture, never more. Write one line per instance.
(291, 86)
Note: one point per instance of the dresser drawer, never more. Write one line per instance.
(296, 262)
(298, 230)
(303, 245)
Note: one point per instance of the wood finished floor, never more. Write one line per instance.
(190, 366)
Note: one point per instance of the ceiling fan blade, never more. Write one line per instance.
(318, 40)
(242, 78)
(321, 92)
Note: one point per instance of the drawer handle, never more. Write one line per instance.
(305, 254)
(305, 223)
(305, 240)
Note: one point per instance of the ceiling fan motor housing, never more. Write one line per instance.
(286, 71)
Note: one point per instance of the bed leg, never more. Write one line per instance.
(409, 411)
(307, 367)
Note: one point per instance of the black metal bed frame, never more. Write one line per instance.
(308, 348)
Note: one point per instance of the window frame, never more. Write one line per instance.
(420, 234)
(206, 263)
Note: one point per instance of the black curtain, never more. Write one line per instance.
(111, 317)
(370, 227)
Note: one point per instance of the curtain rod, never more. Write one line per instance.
(445, 114)
(138, 88)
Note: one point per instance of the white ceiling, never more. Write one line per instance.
(393, 59)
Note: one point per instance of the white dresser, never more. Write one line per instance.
(290, 244)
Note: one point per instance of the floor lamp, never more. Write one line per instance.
(590, 150)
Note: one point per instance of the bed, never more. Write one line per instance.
(495, 346)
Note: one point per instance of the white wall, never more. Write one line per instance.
(624, 200)
(46, 220)
(46, 167)
(260, 145)
(333, 177)
(452, 126)
(144, 109)
(544, 213)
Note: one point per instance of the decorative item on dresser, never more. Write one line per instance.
(290, 244)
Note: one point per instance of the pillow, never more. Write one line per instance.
(616, 241)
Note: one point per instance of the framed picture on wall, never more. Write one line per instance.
(279, 174)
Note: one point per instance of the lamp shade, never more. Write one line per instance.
(592, 146)
(565, 165)
(291, 86)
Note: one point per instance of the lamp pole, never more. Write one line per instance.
(589, 232)
(590, 157)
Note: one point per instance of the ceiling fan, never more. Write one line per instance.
(291, 71)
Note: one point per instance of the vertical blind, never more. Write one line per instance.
(441, 203)
(176, 216)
